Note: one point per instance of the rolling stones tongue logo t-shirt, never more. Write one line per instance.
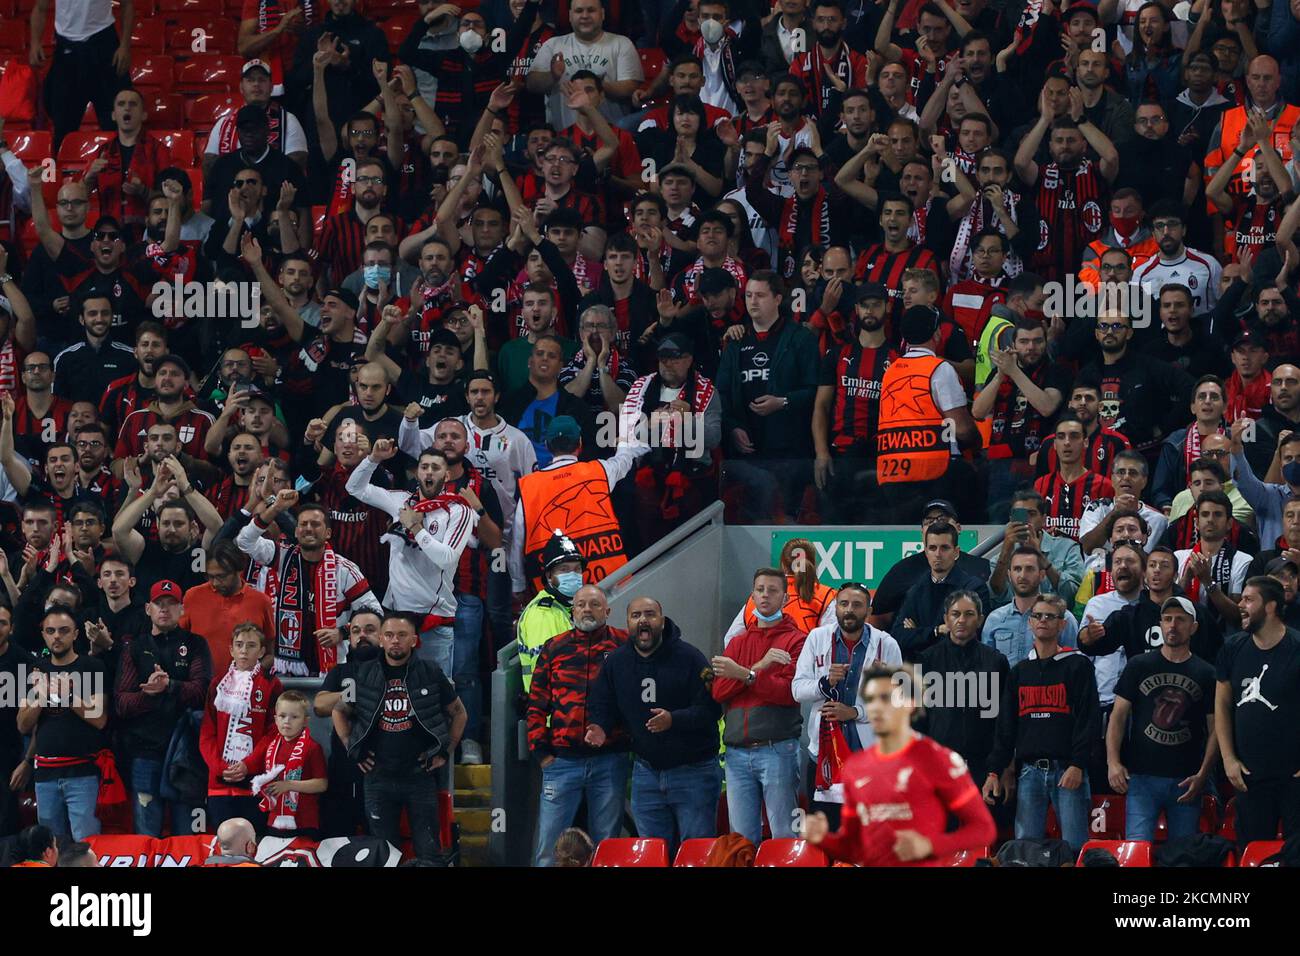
(1166, 736)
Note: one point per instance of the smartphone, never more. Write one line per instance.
(1020, 515)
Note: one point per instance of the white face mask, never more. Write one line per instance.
(711, 30)
(470, 41)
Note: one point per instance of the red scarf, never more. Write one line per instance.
(281, 810)
(819, 226)
(229, 139)
(691, 277)
(297, 621)
(1192, 447)
(341, 194)
(1220, 568)
(8, 367)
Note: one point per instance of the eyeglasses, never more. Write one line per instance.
(1044, 616)
(1220, 453)
(37, 367)
(806, 168)
(1111, 326)
(1127, 472)
(1113, 267)
(371, 180)
(559, 160)
(239, 183)
(106, 236)
(1166, 225)
(83, 444)
(73, 203)
(363, 133)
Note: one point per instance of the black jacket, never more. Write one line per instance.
(427, 705)
(676, 678)
(641, 306)
(969, 730)
(923, 607)
(1136, 629)
(898, 580)
(147, 721)
(349, 88)
(1049, 712)
(1153, 396)
(784, 433)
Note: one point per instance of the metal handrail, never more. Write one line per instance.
(709, 516)
(988, 544)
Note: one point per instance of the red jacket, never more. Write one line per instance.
(255, 725)
(766, 710)
(149, 157)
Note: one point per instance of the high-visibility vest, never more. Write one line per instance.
(1232, 124)
(575, 500)
(998, 333)
(805, 614)
(543, 618)
(911, 445)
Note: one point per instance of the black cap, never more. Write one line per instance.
(443, 336)
(714, 280)
(750, 68)
(675, 345)
(870, 290)
(560, 549)
(940, 504)
(343, 295)
(919, 324)
(1280, 564)
(250, 117)
(1250, 338)
(171, 358)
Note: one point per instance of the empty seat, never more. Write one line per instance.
(789, 851)
(202, 112)
(169, 8)
(148, 36)
(209, 73)
(1129, 853)
(964, 858)
(653, 62)
(181, 144)
(694, 852)
(217, 36)
(31, 146)
(1258, 851)
(166, 111)
(631, 851)
(156, 72)
(78, 149)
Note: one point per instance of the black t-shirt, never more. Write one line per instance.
(1265, 703)
(438, 401)
(158, 564)
(1166, 733)
(61, 732)
(397, 738)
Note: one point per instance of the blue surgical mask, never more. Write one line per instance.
(376, 274)
(568, 582)
(1291, 472)
(769, 618)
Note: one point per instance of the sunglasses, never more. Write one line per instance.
(247, 182)
(1044, 616)
(106, 236)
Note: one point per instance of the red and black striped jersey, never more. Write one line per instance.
(1253, 225)
(355, 527)
(471, 574)
(1103, 445)
(1072, 210)
(124, 396)
(590, 209)
(192, 426)
(105, 487)
(1067, 500)
(33, 434)
(342, 243)
(744, 124)
(856, 372)
(878, 264)
(228, 497)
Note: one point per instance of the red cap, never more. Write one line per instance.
(165, 589)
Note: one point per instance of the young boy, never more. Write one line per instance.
(288, 770)
(238, 714)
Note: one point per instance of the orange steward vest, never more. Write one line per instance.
(910, 443)
(575, 500)
(1232, 124)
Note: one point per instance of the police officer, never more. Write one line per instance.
(550, 612)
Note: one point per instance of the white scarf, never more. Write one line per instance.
(234, 697)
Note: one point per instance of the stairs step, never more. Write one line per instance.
(472, 798)
(474, 821)
(474, 850)
(474, 777)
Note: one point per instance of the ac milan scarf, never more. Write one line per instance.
(691, 277)
(1192, 447)
(975, 220)
(819, 225)
(303, 604)
(235, 699)
(229, 139)
(8, 363)
(341, 194)
(1220, 568)
(424, 506)
(727, 62)
(840, 64)
(668, 462)
(284, 760)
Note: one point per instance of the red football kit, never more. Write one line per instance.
(916, 788)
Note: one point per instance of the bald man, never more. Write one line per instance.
(236, 844)
(1281, 414)
(1263, 82)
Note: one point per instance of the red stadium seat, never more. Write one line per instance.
(789, 851)
(653, 62)
(144, 9)
(1106, 820)
(166, 111)
(8, 10)
(209, 73)
(965, 858)
(155, 73)
(1209, 814)
(1228, 824)
(202, 112)
(31, 146)
(169, 8)
(1258, 851)
(218, 35)
(148, 36)
(631, 851)
(79, 148)
(397, 29)
(318, 216)
(181, 143)
(1129, 853)
(694, 852)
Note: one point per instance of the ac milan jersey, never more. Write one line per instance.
(1066, 501)
(878, 264)
(1103, 445)
(192, 427)
(916, 788)
(1199, 271)
(32, 434)
(856, 373)
(124, 396)
(1253, 225)
(355, 527)
(1071, 207)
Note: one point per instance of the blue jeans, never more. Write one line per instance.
(758, 777)
(677, 804)
(1036, 789)
(67, 806)
(602, 778)
(145, 783)
(386, 795)
(468, 639)
(1147, 795)
(438, 645)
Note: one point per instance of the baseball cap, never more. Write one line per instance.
(343, 295)
(750, 68)
(870, 290)
(940, 504)
(676, 169)
(443, 337)
(250, 116)
(171, 358)
(675, 346)
(1249, 338)
(255, 64)
(162, 589)
(714, 280)
(1280, 563)
(1180, 603)
(563, 426)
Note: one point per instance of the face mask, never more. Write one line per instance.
(376, 274)
(1291, 472)
(711, 30)
(1126, 225)
(768, 618)
(568, 582)
(470, 41)
(1035, 314)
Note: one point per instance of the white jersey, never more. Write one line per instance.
(421, 572)
(1099, 510)
(1236, 575)
(78, 20)
(1199, 271)
(765, 237)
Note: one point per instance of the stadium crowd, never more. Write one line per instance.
(431, 332)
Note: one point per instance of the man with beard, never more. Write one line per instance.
(886, 261)
(673, 728)
(320, 375)
(170, 404)
(1071, 188)
(136, 390)
(343, 237)
(631, 299)
(238, 214)
(830, 67)
(401, 731)
(575, 761)
(313, 588)
(963, 722)
(57, 485)
(431, 527)
(284, 133)
(1183, 447)
(1254, 714)
(65, 714)
(919, 622)
(1176, 263)
(1141, 396)
(105, 272)
(213, 609)
(243, 457)
(40, 281)
(342, 806)
(256, 152)
(1156, 163)
(160, 442)
(1071, 486)
(846, 412)
(40, 417)
(184, 519)
(1021, 572)
(92, 444)
(1278, 312)
(1020, 402)
(1183, 344)
(1160, 745)
(1213, 570)
(1128, 478)
(295, 281)
(828, 674)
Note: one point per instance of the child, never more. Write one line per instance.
(238, 714)
(288, 769)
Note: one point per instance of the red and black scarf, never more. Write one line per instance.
(304, 602)
(285, 760)
(1220, 568)
(819, 224)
